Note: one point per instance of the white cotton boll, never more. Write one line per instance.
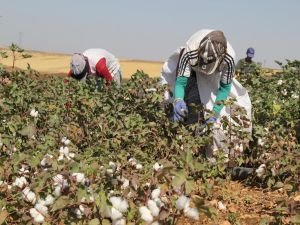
(182, 202)
(112, 164)
(295, 96)
(146, 214)
(78, 213)
(81, 208)
(110, 172)
(80, 178)
(125, 184)
(37, 216)
(192, 213)
(221, 206)
(156, 166)
(61, 150)
(155, 193)
(58, 179)
(260, 142)
(41, 208)
(139, 166)
(119, 222)
(71, 155)
(115, 214)
(155, 223)
(66, 150)
(280, 82)
(49, 200)
(119, 203)
(20, 182)
(34, 113)
(132, 161)
(63, 140)
(28, 195)
(261, 170)
(150, 90)
(153, 208)
(1, 144)
(60, 157)
(57, 191)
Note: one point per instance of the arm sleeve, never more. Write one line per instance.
(180, 85)
(225, 83)
(102, 71)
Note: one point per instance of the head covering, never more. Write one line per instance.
(212, 50)
(250, 52)
(78, 64)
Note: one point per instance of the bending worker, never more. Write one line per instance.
(98, 62)
(201, 73)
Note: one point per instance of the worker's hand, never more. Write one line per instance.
(180, 110)
(205, 126)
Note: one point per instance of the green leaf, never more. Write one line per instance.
(180, 177)
(28, 131)
(61, 203)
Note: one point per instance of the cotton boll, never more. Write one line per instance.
(37, 216)
(192, 213)
(221, 206)
(119, 203)
(115, 214)
(41, 208)
(34, 113)
(146, 214)
(132, 161)
(125, 184)
(182, 202)
(60, 157)
(157, 167)
(57, 191)
(49, 200)
(110, 172)
(119, 222)
(153, 208)
(80, 178)
(155, 223)
(72, 155)
(261, 170)
(155, 193)
(20, 182)
(28, 195)
(58, 179)
(78, 213)
(139, 166)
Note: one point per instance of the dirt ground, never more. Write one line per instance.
(58, 64)
(244, 205)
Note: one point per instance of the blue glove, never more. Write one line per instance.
(180, 110)
(203, 128)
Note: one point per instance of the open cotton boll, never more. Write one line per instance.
(49, 200)
(221, 206)
(119, 222)
(119, 203)
(78, 213)
(34, 113)
(125, 183)
(28, 195)
(182, 202)
(155, 223)
(80, 178)
(192, 213)
(261, 170)
(157, 166)
(41, 208)
(115, 214)
(155, 193)
(57, 191)
(139, 166)
(20, 182)
(146, 214)
(132, 161)
(153, 208)
(37, 216)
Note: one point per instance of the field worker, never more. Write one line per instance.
(246, 65)
(201, 73)
(97, 62)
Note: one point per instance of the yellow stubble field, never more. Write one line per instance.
(58, 64)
